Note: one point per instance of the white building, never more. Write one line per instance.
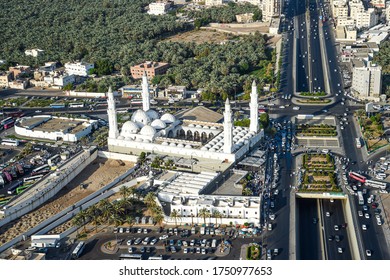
(183, 191)
(366, 18)
(214, 2)
(54, 128)
(367, 80)
(33, 52)
(387, 11)
(378, 3)
(149, 132)
(58, 80)
(78, 68)
(159, 8)
(271, 8)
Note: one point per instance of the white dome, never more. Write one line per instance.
(140, 118)
(129, 127)
(147, 130)
(213, 127)
(198, 126)
(121, 137)
(158, 124)
(172, 144)
(164, 143)
(138, 139)
(190, 147)
(153, 115)
(168, 118)
(204, 148)
(180, 145)
(191, 125)
(212, 150)
(206, 127)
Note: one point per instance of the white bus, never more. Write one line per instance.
(155, 258)
(32, 178)
(78, 250)
(76, 105)
(130, 257)
(360, 198)
(376, 184)
(10, 142)
(45, 166)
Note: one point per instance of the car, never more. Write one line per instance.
(272, 204)
(137, 241)
(336, 227)
(163, 237)
(360, 213)
(146, 240)
(173, 249)
(364, 227)
(339, 250)
(325, 111)
(185, 251)
(368, 253)
(337, 238)
(139, 230)
(127, 230)
(367, 215)
(185, 243)
(204, 251)
(282, 107)
(269, 256)
(315, 220)
(192, 242)
(143, 249)
(341, 127)
(179, 243)
(327, 214)
(374, 205)
(296, 108)
(148, 249)
(332, 200)
(38, 111)
(145, 231)
(330, 237)
(171, 242)
(129, 242)
(276, 192)
(276, 251)
(272, 216)
(154, 241)
(198, 250)
(365, 207)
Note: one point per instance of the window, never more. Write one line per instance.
(239, 212)
(255, 213)
(246, 212)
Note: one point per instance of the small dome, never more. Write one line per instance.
(168, 118)
(121, 137)
(158, 124)
(198, 126)
(164, 143)
(129, 127)
(204, 148)
(153, 115)
(180, 145)
(172, 145)
(191, 125)
(212, 150)
(140, 118)
(147, 130)
(190, 147)
(213, 127)
(206, 127)
(138, 139)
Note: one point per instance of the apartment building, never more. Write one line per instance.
(78, 68)
(271, 9)
(366, 80)
(366, 18)
(5, 78)
(378, 3)
(159, 8)
(150, 67)
(58, 80)
(214, 2)
(19, 70)
(387, 11)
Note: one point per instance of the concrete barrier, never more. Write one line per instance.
(352, 231)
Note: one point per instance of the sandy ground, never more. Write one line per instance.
(199, 37)
(95, 176)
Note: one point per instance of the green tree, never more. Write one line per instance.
(175, 215)
(264, 120)
(94, 213)
(204, 213)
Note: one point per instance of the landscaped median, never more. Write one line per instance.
(314, 101)
(313, 94)
(253, 252)
(319, 174)
(316, 130)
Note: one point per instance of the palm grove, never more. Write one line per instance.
(116, 36)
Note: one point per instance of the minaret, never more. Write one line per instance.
(145, 93)
(111, 112)
(254, 106)
(228, 128)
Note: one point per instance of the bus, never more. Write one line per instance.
(15, 114)
(78, 250)
(10, 142)
(358, 143)
(6, 120)
(101, 104)
(45, 166)
(360, 198)
(357, 177)
(22, 188)
(32, 178)
(130, 257)
(155, 257)
(57, 105)
(76, 105)
(9, 124)
(13, 187)
(376, 184)
(41, 172)
(136, 102)
(7, 176)
(53, 160)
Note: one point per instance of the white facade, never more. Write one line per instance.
(32, 130)
(271, 8)
(228, 128)
(59, 80)
(387, 11)
(111, 113)
(367, 82)
(366, 18)
(159, 8)
(378, 3)
(33, 52)
(254, 107)
(214, 2)
(78, 68)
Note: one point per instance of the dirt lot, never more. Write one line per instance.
(199, 37)
(95, 176)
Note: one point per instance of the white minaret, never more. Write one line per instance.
(228, 128)
(111, 112)
(145, 93)
(254, 106)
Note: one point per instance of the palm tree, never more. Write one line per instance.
(106, 210)
(175, 215)
(158, 217)
(83, 216)
(116, 219)
(77, 222)
(124, 192)
(192, 220)
(216, 215)
(94, 213)
(204, 213)
(132, 191)
(150, 200)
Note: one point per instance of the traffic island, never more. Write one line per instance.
(222, 250)
(110, 247)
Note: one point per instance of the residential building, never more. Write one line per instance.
(159, 7)
(33, 52)
(19, 84)
(19, 70)
(350, 32)
(135, 91)
(244, 18)
(5, 78)
(150, 67)
(378, 3)
(253, 2)
(175, 92)
(214, 2)
(387, 11)
(367, 80)
(366, 18)
(271, 8)
(340, 9)
(49, 66)
(58, 80)
(78, 68)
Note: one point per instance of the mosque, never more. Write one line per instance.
(147, 131)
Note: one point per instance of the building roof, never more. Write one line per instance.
(202, 114)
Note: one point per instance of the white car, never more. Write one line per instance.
(364, 227)
(163, 237)
(336, 227)
(129, 242)
(327, 214)
(368, 253)
(360, 213)
(340, 250)
(367, 216)
(154, 241)
(296, 108)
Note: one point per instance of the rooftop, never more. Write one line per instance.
(200, 113)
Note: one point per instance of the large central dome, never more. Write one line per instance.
(140, 118)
